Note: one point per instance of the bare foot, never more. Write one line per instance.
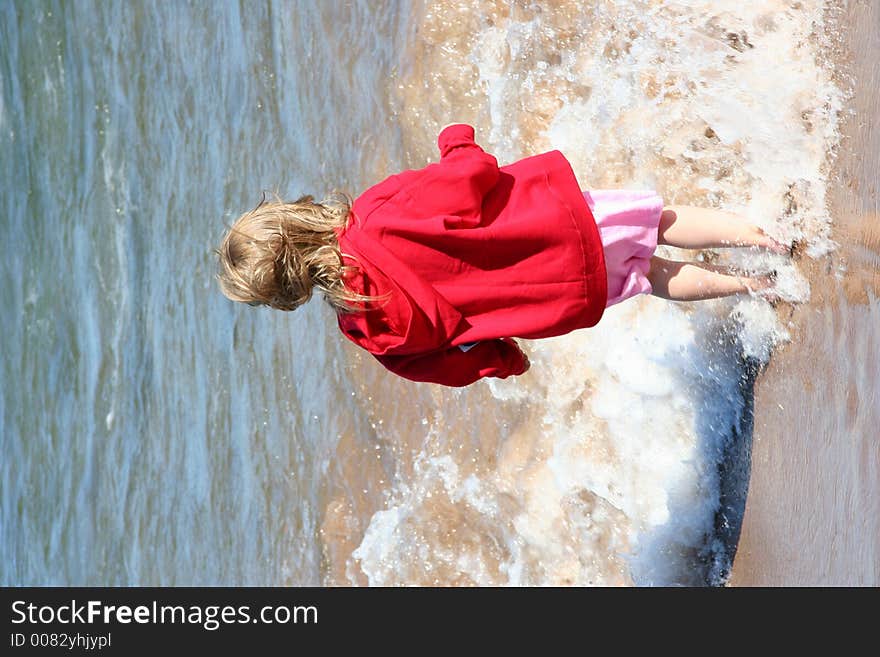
(760, 284)
(772, 297)
(767, 242)
(765, 288)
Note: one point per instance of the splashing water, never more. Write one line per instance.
(613, 478)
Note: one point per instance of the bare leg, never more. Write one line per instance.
(687, 281)
(701, 228)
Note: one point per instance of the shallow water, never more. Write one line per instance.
(610, 474)
(813, 515)
(155, 434)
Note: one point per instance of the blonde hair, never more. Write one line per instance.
(277, 253)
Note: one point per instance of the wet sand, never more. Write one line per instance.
(813, 510)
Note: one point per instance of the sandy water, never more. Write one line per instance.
(154, 434)
(813, 514)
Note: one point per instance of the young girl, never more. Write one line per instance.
(435, 271)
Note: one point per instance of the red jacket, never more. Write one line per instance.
(471, 252)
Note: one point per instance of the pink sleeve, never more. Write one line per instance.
(453, 367)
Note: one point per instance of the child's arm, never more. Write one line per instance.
(457, 184)
(457, 140)
(454, 367)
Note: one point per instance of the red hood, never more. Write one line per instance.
(414, 319)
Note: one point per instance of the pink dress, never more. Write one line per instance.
(628, 222)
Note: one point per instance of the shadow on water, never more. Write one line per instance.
(716, 373)
(724, 422)
(734, 470)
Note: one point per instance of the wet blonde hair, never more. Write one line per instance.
(277, 253)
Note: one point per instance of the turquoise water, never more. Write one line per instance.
(138, 446)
